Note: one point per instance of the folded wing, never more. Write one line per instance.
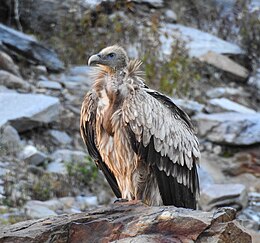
(87, 130)
(162, 135)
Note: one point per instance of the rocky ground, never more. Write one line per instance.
(126, 222)
(213, 76)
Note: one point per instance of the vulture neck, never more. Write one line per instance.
(107, 86)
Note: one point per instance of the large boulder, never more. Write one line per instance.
(230, 127)
(219, 195)
(25, 111)
(131, 223)
(198, 42)
(27, 46)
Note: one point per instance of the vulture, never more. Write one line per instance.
(143, 143)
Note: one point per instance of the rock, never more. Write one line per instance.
(45, 17)
(198, 42)
(170, 16)
(69, 155)
(49, 85)
(40, 70)
(255, 80)
(25, 111)
(57, 166)
(34, 210)
(191, 107)
(250, 216)
(230, 127)
(130, 223)
(225, 92)
(10, 140)
(53, 204)
(60, 137)
(32, 156)
(216, 195)
(11, 81)
(3, 89)
(204, 177)
(74, 78)
(152, 3)
(224, 104)
(87, 202)
(67, 201)
(225, 64)
(28, 47)
(7, 64)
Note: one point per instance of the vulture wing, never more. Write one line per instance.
(87, 130)
(162, 135)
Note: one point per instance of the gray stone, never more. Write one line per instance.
(255, 80)
(225, 64)
(198, 42)
(79, 70)
(230, 127)
(191, 107)
(60, 137)
(170, 16)
(86, 202)
(58, 167)
(3, 89)
(28, 47)
(204, 177)
(10, 140)
(11, 81)
(53, 204)
(153, 3)
(49, 85)
(25, 111)
(35, 210)
(216, 195)
(7, 64)
(74, 77)
(4, 171)
(67, 202)
(32, 156)
(225, 92)
(40, 70)
(224, 104)
(68, 155)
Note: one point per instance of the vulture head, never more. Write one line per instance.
(114, 57)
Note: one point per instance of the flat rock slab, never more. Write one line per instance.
(28, 47)
(224, 104)
(225, 64)
(230, 127)
(197, 42)
(25, 111)
(126, 222)
(216, 195)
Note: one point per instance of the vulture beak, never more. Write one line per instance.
(95, 59)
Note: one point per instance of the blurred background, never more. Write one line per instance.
(203, 54)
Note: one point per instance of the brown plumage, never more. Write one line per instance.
(139, 138)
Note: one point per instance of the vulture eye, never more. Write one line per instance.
(111, 55)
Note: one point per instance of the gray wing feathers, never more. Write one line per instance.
(172, 137)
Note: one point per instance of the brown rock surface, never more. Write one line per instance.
(131, 223)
